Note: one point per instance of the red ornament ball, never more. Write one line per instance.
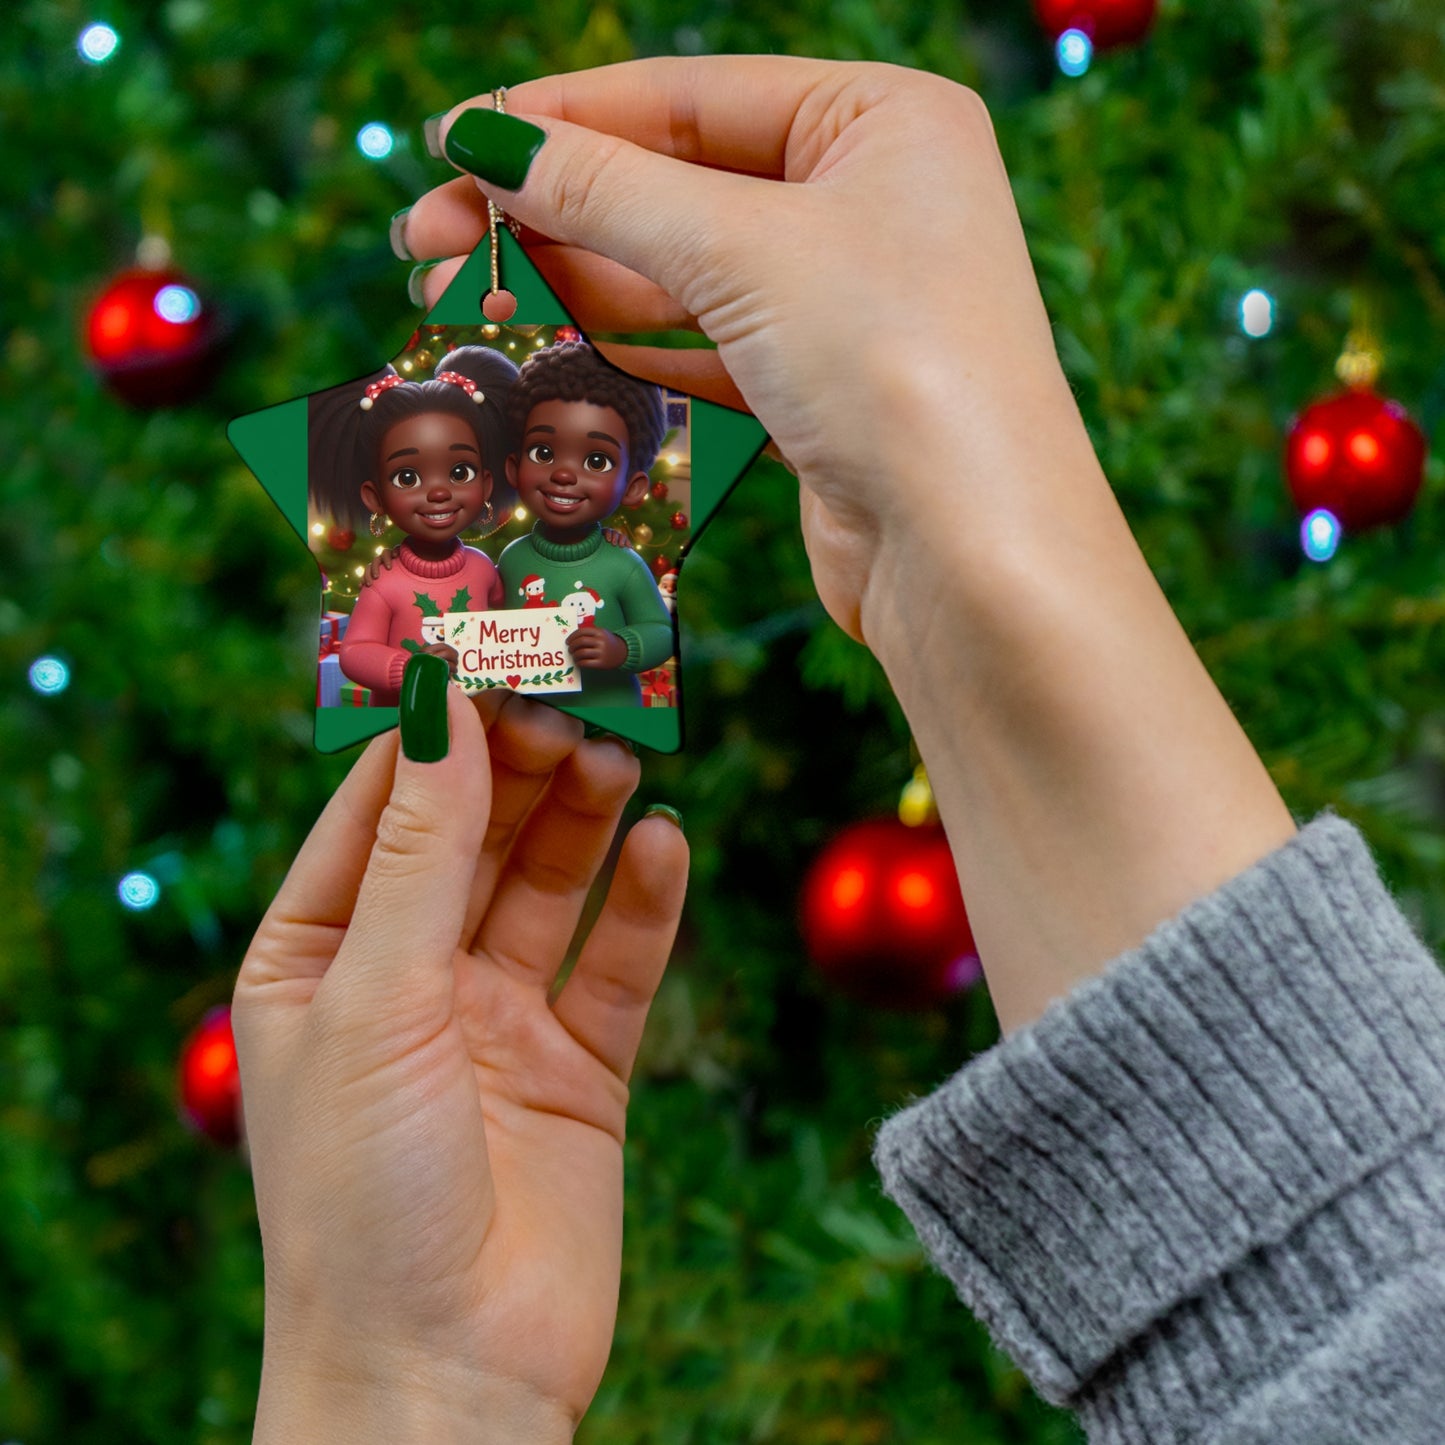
(152, 338)
(679, 521)
(341, 539)
(659, 491)
(661, 563)
(883, 917)
(1107, 23)
(1357, 455)
(210, 1081)
(567, 333)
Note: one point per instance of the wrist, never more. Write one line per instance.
(368, 1403)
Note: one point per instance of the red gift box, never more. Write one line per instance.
(354, 695)
(658, 687)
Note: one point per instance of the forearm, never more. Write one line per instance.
(1092, 779)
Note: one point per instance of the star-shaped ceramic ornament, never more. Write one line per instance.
(504, 497)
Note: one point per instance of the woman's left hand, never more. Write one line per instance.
(436, 1143)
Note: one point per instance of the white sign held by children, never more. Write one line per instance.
(525, 650)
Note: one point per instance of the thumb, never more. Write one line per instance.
(395, 963)
(675, 223)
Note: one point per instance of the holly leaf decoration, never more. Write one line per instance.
(410, 645)
(427, 606)
(461, 600)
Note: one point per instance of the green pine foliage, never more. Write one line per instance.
(770, 1292)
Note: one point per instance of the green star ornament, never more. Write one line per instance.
(514, 602)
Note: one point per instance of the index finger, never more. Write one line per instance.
(732, 112)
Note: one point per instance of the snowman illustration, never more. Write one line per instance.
(580, 607)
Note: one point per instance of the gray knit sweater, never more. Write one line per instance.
(1203, 1198)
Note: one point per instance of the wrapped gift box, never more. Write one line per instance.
(333, 629)
(328, 681)
(354, 695)
(659, 687)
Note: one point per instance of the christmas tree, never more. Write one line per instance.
(1213, 211)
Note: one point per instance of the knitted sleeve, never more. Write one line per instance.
(647, 624)
(1202, 1199)
(367, 655)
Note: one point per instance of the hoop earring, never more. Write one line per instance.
(378, 526)
(488, 512)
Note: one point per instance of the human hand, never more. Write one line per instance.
(446, 652)
(597, 647)
(382, 562)
(617, 539)
(436, 1147)
(658, 202)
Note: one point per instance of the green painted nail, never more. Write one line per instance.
(663, 811)
(431, 133)
(398, 235)
(424, 734)
(498, 148)
(591, 730)
(414, 293)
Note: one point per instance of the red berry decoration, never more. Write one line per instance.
(152, 338)
(883, 917)
(1107, 23)
(679, 521)
(1357, 455)
(659, 491)
(341, 539)
(210, 1082)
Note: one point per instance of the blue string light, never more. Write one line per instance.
(1075, 52)
(138, 891)
(97, 44)
(375, 141)
(49, 675)
(177, 304)
(1320, 535)
(1256, 313)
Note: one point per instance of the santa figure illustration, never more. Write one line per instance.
(532, 590)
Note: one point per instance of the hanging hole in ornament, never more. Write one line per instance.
(499, 305)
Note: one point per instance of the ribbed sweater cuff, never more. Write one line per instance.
(1199, 1134)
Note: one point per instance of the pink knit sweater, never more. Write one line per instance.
(390, 610)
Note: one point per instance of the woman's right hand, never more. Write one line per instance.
(845, 233)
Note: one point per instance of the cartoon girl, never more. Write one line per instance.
(428, 458)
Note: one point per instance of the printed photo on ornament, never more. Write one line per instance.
(506, 499)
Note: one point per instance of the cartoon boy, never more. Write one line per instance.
(588, 434)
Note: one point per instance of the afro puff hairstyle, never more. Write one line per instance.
(573, 371)
(343, 437)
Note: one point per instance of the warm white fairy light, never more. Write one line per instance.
(318, 529)
(361, 571)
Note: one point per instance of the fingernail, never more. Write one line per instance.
(414, 292)
(398, 235)
(591, 730)
(661, 810)
(498, 148)
(431, 132)
(424, 735)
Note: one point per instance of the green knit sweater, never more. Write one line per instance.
(630, 604)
